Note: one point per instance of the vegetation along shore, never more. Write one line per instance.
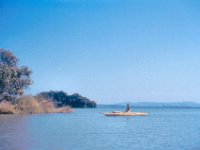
(14, 79)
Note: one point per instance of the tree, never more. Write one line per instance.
(13, 78)
(60, 98)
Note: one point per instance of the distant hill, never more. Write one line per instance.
(155, 105)
(61, 98)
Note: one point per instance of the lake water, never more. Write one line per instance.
(87, 129)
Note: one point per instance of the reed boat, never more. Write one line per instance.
(118, 113)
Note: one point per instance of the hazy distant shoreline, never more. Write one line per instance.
(153, 105)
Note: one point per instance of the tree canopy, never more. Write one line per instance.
(13, 78)
(63, 99)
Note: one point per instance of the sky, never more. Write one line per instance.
(110, 51)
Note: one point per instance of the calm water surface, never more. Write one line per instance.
(87, 129)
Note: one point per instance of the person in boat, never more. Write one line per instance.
(128, 108)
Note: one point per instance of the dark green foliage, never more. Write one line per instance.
(13, 79)
(63, 99)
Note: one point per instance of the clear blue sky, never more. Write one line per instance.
(107, 50)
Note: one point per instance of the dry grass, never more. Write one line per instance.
(28, 105)
(63, 110)
(49, 107)
(31, 105)
(7, 108)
